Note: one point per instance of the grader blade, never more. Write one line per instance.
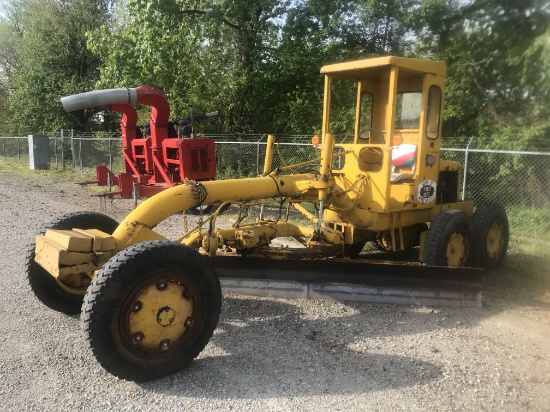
(351, 280)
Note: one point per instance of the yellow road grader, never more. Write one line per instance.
(149, 305)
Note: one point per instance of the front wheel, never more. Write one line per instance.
(151, 310)
(450, 240)
(492, 235)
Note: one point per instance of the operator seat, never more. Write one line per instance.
(403, 161)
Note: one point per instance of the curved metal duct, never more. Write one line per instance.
(99, 98)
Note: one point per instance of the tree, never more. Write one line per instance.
(492, 50)
(198, 53)
(10, 34)
(53, 61)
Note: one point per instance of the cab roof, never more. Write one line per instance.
(377, 68)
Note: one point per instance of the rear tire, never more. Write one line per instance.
(449, 240)
(151, 310)
(44, 285)
(491, 235)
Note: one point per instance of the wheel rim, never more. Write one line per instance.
(73, 290)
(495, 240)
(161, 315)
(457, 250)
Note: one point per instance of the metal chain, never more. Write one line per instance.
(185, 224)
(200, 218)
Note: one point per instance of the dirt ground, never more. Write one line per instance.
(272, 354)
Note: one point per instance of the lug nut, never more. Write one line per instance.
(165, 344)
(136, 307)
(186, 293)
(188, 322)
(161, 285)
(138, 337)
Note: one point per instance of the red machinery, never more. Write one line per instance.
(151, 164)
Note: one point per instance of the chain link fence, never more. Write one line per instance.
(517, 180)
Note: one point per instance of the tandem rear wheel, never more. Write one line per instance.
(491, 235)
(456, 240)
(53, 293)
(449, 241)
(151, 310)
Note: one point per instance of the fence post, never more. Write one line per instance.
(4, 148)
(80, 152)
(18, 150)
(110, 155)
(73, 163)
(258, 155)
(62, 150)
(55, 151)
(464, 179)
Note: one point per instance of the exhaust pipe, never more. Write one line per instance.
(99, 98)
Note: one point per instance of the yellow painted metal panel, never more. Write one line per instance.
(59, 262)
(71, 240)
(355, 69)
(58, 255)
(102, 242)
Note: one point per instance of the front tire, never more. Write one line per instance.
(492, 235)
(449, 240)
(47, 289)
(151, 310)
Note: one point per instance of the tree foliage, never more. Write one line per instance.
(50, 59)
(257, 62)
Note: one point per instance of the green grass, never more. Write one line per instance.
(530, 221)
(19, 168)
(530, 230)
(14, 167)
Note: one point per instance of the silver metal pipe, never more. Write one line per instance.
(99, 98)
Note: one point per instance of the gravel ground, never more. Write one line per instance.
(269, 354)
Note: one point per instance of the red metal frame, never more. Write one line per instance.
(161, 161)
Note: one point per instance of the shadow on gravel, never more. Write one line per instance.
(265, 348)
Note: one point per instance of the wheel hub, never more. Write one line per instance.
(159, 315)
(457, 249)
(495, 239)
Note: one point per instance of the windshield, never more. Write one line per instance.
(342, 112)
(407, 111)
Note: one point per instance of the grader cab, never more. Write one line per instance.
(150, 305)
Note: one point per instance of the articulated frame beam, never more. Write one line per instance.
(137, 226)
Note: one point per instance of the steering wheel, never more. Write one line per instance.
(366, 129)
(375, 150)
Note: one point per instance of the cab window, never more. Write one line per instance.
(434, 112)
(342, 109)
(365, 121)
(407, 112)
